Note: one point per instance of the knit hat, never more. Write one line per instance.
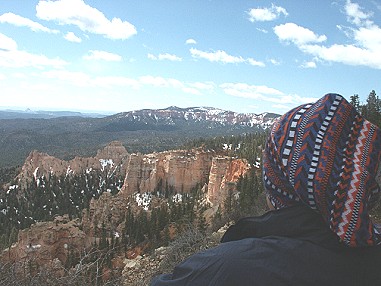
(326, 155)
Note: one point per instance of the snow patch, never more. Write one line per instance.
(105, 162)
(178, 198)
(35, 174)
(69, 171)
(143, 200)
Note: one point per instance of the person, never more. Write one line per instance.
(320, 171)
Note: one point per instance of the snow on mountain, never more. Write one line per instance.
(169, 115)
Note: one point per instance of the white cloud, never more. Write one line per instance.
(308, 65)
(203, 85)
(81, 79)
(218, 56)
(255, 63)
(223, 57)
(191, 90)
(85, 17)
(346, 54)
(275, 62)
(298, 35)
(165, 56)
(369, 38)
(2, 77)
(366, 37)
(7, 44)
(266, 14)
(71, 37)
(75, 78)
(17, 59)
(152, 57)
(195, 88)
(264, 93)
(262, 30)
(355, 14)
(111, 81)
(20, 21)
(160, 81)
(102, 55)
(249, 91)
(291, 99)
(190, 42)
(13, 58)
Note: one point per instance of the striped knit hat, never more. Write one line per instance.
(326, 155)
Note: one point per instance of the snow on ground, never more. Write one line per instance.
(143, 200)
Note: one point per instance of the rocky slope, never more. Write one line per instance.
(145, 176)
(111, 159)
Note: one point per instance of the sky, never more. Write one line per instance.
(244, 56)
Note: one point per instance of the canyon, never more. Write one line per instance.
(146, 175)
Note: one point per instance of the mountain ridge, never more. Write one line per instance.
(145, 131)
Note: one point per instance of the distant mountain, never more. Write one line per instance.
(28, 114)
(146, 131)
(173, 118)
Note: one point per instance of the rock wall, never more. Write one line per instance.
(224, 173)
(110, 159)
(179, 169)
(47, 241)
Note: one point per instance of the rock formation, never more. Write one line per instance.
(111, 159)
(47, 241)
(224, 173)
(182, 170)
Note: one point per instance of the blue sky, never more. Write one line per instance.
(244, 56)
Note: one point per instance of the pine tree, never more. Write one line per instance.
(202, 225)
(372, 109)
(355, 101)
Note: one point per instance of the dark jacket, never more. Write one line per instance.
(291, 246)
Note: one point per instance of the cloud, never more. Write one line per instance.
(165, 56)
(308, 65)
(190, 42)
(365, 36)
(7, 44)
(262, 30)
(298, 35)
(81, 79)
(223, 57)
(11, 57)
(218, 56)
(355, 15)
(18, 59)
(369, 38)
(264, 93)
(110, 81)
(203, 85)
(249, 91)
(266, 14)
(20, 21)
(102, 55)
(160, 81)
(346, 54)
(71, 37)
(275, 62)
(255, 63)
(75, 78)
(85, 17)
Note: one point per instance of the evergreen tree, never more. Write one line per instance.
(355, 101)
(371, 110)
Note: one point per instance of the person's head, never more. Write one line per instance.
(325, 155)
